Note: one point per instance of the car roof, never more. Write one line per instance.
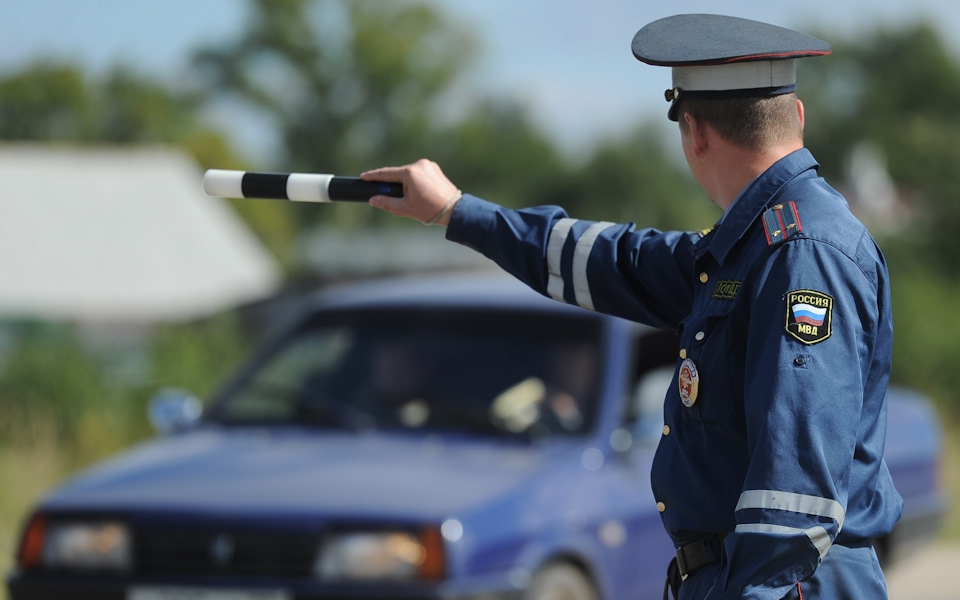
(442, 291)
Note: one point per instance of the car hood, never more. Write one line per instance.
(290, 471)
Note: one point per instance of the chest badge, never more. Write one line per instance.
(689, 382)
(726, 290)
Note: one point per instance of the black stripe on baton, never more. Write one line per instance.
(353, 189)
(265, 185)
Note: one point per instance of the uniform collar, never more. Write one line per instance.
(752, 201)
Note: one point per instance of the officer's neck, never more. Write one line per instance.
(732, 168)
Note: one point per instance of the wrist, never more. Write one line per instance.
(443, 217)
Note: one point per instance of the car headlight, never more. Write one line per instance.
(83, 545)
(382, 555)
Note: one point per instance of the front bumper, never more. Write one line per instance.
(56, 586)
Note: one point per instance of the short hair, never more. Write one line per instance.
(751, 123)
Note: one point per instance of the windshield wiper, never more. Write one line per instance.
(313, 405)
(305, 405)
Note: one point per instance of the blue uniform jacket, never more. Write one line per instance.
(775, 421)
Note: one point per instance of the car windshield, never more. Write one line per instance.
(481, 372)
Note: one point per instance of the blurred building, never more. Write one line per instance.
(120, 236)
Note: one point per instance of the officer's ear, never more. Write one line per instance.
(800, 113)
(697, 130)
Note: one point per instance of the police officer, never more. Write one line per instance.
(769, 476)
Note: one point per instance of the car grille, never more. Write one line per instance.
(224, 551)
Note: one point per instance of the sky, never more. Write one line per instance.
(568, 60)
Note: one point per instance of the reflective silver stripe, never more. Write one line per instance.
(581, 254)
(558, 237)
(818, 535)
(797, 503)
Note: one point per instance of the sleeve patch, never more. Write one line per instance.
(809, 315)
(781, 222)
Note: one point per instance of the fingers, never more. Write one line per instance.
(422, 171)
(388, 174)
(426, 189)
(391, 175)
(394, 206)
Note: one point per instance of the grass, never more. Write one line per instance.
(26, 473)
(37, 459)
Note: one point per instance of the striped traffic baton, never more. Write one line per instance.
(296, 187)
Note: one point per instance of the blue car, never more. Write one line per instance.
(417, 438)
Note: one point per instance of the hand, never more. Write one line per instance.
(426, 191)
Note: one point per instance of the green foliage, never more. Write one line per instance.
(50, 382)
(197, 357)
(131, 109)
(57, 102)
(496, 153)
(45, 102)
(348, 85)
(638, 180)
(897, 90)
(925, 332)
(57, 383)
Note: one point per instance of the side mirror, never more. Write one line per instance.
(173, 410)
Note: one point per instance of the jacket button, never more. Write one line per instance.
(704, 277)
(700, 335)
(661, 506)
(666, 430)
(683, 352)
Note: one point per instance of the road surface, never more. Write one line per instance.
(930, 574)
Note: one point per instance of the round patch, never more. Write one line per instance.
(689, 382)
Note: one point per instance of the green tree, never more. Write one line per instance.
(45, 102)
(897, 90)
(640, 179)
(351, 85)
(56, 102)
(347, 85)
(497, 153)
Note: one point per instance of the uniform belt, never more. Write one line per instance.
(691, 557)
(698, 554)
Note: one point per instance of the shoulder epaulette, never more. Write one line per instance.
(781, 222)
